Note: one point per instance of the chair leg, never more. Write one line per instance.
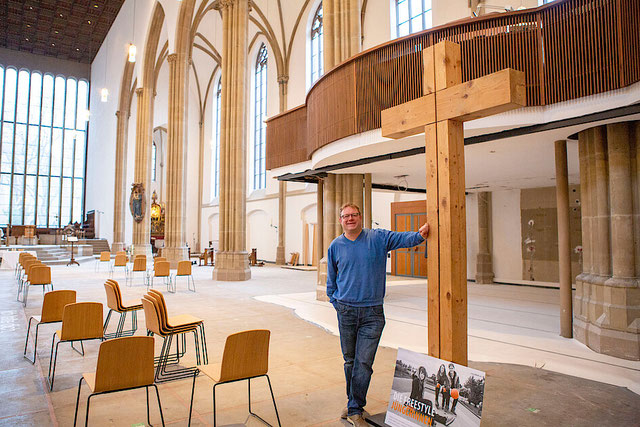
(193, 283)
(26, 341)
(146, 389)
(214, 405)
(86, 418)
(81, 347)
(52, 362)
(159, 404)
(123, 317)
(193, 389)
(274, 400)
(25, 293)
(75, 417)
(35, 343)
(106, 322)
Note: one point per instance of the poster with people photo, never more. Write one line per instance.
(433, 392)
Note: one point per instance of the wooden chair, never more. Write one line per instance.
(114, 302)
(184, 270)
(105, 256)
(21, 258)
(166, 327)
(22, 275)
(123, 364)
(120, 261)
(38, 275)
(246, 356)
(81, 321)
(121, 253)
(139, 266)
(162, 269)
(52, 308)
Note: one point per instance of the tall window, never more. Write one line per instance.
(215, 158)
(43, 138)
(154, 153)
(412, 16)
(316, 46)
(260, 127)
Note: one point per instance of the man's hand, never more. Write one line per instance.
(424, 230)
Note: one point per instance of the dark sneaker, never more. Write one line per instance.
(344, 414)
(357, 420)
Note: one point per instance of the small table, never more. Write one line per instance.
(72, 261)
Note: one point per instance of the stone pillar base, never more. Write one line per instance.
(280, 258)
(484, 278)
(232, 267)
(173, 255)
(117, 247)
(621, 344)
(321, 288)
(484, 269)
(143, 249)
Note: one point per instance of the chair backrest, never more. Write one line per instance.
(27, 262)
(120, 261)
(24, 256)
(161, 307)
(105, 256)
(246, 355)
(140, 263)
(121, 253)
(184, 268)
(112, 296)
(39, 274)
(151, 316)
(124, 363)
(158, 259)
(162, 269)
(140, 256)
(82, 321)
(53, 305)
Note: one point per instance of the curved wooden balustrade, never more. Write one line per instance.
(567, 49)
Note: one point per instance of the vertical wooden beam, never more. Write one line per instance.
(564, 245)
(433, 243)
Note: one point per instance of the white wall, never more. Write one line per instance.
(507, 235)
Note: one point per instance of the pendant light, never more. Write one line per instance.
(132, 47)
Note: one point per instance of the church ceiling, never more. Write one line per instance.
(64, 29)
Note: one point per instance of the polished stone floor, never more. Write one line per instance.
(305, 361)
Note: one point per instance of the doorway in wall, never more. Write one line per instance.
(409, 216)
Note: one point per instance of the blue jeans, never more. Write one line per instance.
(360, 331)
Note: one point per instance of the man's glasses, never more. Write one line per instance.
(353, 215)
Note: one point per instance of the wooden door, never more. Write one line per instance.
(403, 257)
(409, 216)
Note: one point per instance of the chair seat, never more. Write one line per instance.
(131, 305)
(212, 370)
(90, 378)
(183, 320)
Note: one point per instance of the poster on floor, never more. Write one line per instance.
(433, 392)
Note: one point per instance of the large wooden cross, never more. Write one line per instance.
(440, 113)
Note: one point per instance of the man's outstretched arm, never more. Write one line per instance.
(407, 239)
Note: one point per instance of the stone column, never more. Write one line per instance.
(564, 245)
(321, 283)
(341, 31)
(368, 212)
(606, 317)
(175, 219)
(142, 172)
(484, 265)
(232, 262)
(282, 222)
(337, 190)
(120, 190)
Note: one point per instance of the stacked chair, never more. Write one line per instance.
(114, 302)
(245, 357)
(24, 261)
(158, 323)
(52, 308)
(81, 321)
(139, 266)
(37, 274)
(105, 257)
(184, 270)
(123, 364)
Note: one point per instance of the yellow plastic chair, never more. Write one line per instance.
(162, 270)
(105, 256)
(37, 275)
(81, 321)
(139, 266)
(114, 302)
(52, 308)
(246, 356)
(123, 364)
(184, 270)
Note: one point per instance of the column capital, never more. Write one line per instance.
(223, 4)
(139, 91)
(172, 57)
(119, 113)
(283, 79)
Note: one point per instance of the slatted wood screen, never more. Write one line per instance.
(567, 50)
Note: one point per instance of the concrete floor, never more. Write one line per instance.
(305, 362)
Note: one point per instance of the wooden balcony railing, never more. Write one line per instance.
(567, 50)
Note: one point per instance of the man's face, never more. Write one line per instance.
(350, 219)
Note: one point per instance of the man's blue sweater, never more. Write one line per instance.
(356, 270)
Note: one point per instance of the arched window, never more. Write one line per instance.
(43, 132)
(154, 153)
(260, 127)
(317, 68)
(412, 16)
(215, 158)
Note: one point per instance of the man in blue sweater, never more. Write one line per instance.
(356, 278)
